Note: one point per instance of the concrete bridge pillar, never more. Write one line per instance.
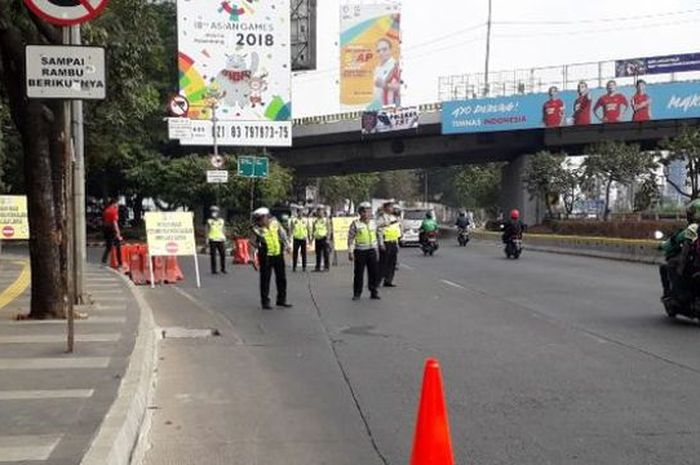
(514, 194)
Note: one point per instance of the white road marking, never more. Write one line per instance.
(408, 267)
(47, 394)
(89, 320)
(51, 338)
(27, 448)
(450, 283)
(53, 363)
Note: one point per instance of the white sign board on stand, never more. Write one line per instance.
(217, 176)
(70, 72)
(179, 128)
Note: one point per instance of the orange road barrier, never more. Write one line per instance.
(158, 264)
(241, 251)
(432, 444)
(137, 258)
(173, 273)
(126, 255)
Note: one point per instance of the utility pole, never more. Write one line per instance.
(488, 49)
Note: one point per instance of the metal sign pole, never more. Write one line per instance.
(79, 188)
(70, 343)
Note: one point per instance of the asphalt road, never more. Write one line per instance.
(552, 359)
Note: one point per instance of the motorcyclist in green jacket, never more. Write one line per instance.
(677, 250)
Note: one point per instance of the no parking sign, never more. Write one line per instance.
(66, 12)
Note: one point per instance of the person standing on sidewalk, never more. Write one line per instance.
(362, 246)
(299, 230)
(320, 232)
(389, 229)
(216, 237)
(270, 240)
(110, 228)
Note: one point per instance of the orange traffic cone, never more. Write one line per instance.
(432, 444)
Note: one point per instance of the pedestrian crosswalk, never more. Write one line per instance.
(35, 368)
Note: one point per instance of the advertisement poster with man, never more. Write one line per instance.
(370, 55)
(584, 106)
(234, 65)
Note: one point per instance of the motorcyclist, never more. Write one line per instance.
(678, 252)
(429, 225)
(513, 228)
(462, 222)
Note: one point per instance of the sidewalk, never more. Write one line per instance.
(52, 404)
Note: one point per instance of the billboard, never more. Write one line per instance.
(234, 60)
(658, 65)
(375, 122)
(370, 55)
(674, 100)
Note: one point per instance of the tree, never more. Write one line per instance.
(617, 162)
(685, 148)
(568, 185)
(543, 177)
(479, 186)
(399, 185)
(354, 187)
(40, 125)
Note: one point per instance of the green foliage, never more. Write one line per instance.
(479, 186)
(543, 175)
(401, 185)
(354, 187)
(685, 147)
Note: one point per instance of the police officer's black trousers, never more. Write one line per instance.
(322, 253)
(299, 244)
(267, 266)
(365, 259)
(387, 262)
(220, 248)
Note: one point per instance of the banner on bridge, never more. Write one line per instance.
(398, 119)
(675, 100)
(370, 56)
(234, 59)
(658, 65)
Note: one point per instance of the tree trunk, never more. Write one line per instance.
(606, 212)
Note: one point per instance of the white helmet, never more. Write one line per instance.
(260, 212)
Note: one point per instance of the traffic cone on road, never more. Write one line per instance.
(432, 444)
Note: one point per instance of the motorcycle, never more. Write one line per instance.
(514, 247)
(687, 305)
(463, 237)
(430, 244)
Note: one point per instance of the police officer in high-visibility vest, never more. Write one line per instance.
(216, 237)
(270, 240)
(362, 246)
(299, 230)
(320, 232)
(389, 229)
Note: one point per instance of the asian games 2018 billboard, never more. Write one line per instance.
(370, 54)
(236, 54)
(585, 106)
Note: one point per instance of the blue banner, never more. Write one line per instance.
(658, 65)
(574, 108)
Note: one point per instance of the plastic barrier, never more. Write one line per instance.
(241, 251)
(173, 273)
(137, 258)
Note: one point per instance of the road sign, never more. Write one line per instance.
(217, 161)
(179, 106)
(65, 72)
(13, 217)
(253, 167)
(179, 128)
(217, 176)
(66, 12)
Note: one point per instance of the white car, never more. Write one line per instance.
(411, 221)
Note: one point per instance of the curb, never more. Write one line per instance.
(117, 437)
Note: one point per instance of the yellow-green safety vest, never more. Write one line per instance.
(271, 235)
(320, 228)
(300, 228)
(216, 230)
(392, 233)
(365, 235)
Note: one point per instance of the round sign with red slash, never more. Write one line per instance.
(179, 106)
(66, 12)
(8, 231)
(217, 161)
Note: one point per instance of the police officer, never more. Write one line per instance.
(389, 229)
(362, 246)
(299, 229)
(216, 237)
(270, 240)
(320, 232)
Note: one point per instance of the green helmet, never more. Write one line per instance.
(693, 211)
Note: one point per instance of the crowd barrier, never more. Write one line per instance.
(136, 264)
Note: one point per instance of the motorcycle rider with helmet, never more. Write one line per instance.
(429, 225)
(513, 228)
(678, 250)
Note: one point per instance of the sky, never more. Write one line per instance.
(447, 37)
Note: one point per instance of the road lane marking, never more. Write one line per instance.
(450, 283)
(47, 394)
(408, 267)
(53, 363)
(18, 287)
(51, 338)
(27, 448)
(87, 321)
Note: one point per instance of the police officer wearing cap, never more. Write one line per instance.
(270, 240)
(389, 229)
(216, 237)
(321, 228)
(362, 246)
